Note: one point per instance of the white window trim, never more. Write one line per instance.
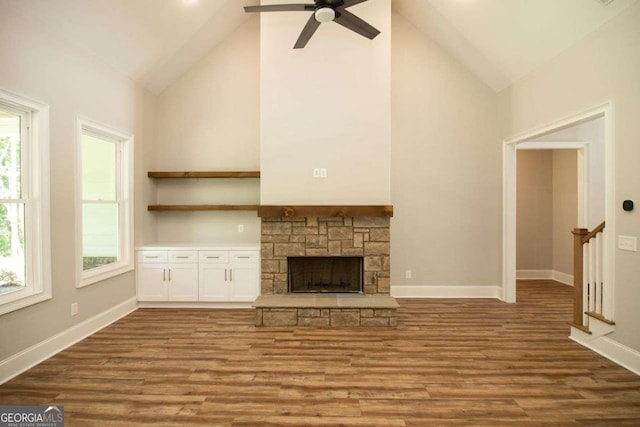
(125, 176)
(38, 235)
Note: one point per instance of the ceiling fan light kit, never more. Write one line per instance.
(325, 14)
(322, 11)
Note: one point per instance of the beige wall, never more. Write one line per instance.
(534, 210)
(445, 168)
(209, 119)
(547, 209)
(327, 106)
(47, 70)
(565, 208)
(603, 67)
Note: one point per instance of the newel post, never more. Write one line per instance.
(578, 280)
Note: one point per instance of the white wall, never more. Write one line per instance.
(47, 70)
(209, 119)
(603, 67)
(327, 105)
(445, 169)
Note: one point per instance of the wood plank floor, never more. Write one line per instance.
(449, 362)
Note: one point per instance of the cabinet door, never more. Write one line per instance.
(183, 282)
(152, 283)
(245, 282)
(213, 282)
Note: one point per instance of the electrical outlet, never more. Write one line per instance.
(407, 274)
(74, 308)
(240, 228)
(323, 172)
(316, 172)
(628, 243)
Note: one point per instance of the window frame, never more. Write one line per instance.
(124, 200)
(35, 178)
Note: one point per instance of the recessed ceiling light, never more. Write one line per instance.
(189, 2)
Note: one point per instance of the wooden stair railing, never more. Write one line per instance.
(593, 298)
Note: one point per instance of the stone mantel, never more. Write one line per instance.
(325, 211)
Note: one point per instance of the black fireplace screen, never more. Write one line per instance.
(325, 274)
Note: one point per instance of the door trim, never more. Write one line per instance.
(523, 141)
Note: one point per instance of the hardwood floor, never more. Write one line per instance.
(449, 362)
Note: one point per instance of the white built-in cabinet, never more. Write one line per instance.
(198, 273)
(229, 275)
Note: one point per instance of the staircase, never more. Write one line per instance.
(591, 305)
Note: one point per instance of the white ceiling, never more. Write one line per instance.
(156, 41)
(151, 41)
(502, 41)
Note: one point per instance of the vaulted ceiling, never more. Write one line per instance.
(156, 41)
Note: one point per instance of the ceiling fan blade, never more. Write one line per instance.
(280, 8)
(349, 3)
(308, 31)
(352, 22)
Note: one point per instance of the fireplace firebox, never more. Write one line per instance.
(339, 274)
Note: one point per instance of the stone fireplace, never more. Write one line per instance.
(345, 281)
(366, 237)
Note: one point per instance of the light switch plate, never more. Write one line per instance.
(316, 172)
(628, 243)
(323, 172)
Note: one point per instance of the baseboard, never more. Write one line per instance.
(555, 275)
(176, 304)
(534, 274)
(28, 358)
(561, 277)
(618, 353)
(445, 291)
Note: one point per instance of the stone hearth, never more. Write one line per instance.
(323, 310)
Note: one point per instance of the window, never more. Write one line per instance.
(105, 205)
(25, 274)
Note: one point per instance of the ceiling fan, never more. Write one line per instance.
(323, 11)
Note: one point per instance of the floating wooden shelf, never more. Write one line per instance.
(323, 211)
(167, 208)
(205, 174)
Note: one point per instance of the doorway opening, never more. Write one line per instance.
(548, 208)
(590, 135)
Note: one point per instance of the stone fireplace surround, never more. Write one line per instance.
(284, 237)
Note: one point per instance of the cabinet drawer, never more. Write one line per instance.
(152, 256)
(178, 257)
(214, 257)
(245, 257)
